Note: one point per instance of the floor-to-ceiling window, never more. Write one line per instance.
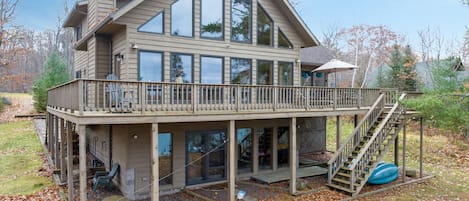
(150, 66)
(265, 147)
(265, 72)
(182, 18)
(241, 74)
(211, 25)
(241, 17)
(245, 149)
(165, 158)
(211, 70)
(181, 68)
(285, 73)
(282, 146)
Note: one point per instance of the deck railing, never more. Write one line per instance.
(86, 95)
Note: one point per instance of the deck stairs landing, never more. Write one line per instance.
(355, 160)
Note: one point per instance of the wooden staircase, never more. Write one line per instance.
(359, 155)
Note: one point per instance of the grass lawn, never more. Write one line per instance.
(20, 160)
(445, 156)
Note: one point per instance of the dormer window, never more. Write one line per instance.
(264, 27)
(154, 25)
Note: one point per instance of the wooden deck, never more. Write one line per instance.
(283, 175)
(125, 98)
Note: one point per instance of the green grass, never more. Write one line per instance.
(443, 156)
(20, 159)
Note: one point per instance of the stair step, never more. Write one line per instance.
(344, 181)
(340, 188)
(348, 176)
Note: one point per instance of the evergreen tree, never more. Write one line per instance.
(55, 73)
(402, 74)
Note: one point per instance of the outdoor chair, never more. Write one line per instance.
(105, 178)
(116, 95)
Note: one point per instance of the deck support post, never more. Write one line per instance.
(155, 183)
(82, 155)
(339, 132)
(404, 136)
(396, 147)
(52, 139)
(355, 120)
(62, 151)
(46, 137)
(56, 142)
(293, 155)
(421, 147)
(70, 160)
(231, 161)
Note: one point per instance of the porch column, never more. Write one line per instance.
(403, 149)
(82, 150)
(70, 160)
(396, 148)
(421, 147)
(339, 132)
(255, 152)
(155, 184)
(293, 155)
(62, 151)
(232, 161)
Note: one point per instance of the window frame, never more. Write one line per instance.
(271, 72)
(139, 68)
(280, 32)
(171, 157)
(146, 22)
(250, 69)
(222, 38)
(222, 67)
(192, 62)
(250, 24)
(272, 34)
(171, 20)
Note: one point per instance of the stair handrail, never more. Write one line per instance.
(354, 139)
(378, 131)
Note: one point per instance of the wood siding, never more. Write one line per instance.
(227, 49)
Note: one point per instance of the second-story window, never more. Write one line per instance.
(283, 40)
(154, 25)
(150, 66)
(241, 20)
(211, 70)
(265, 72)
(182, 18)
(78, 32)
(211, 25)
(264, 27)
(285, 73)
(181, 68)
(240, 71)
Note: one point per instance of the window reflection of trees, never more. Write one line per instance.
(264, 27)
(212, 19)
(241, 20)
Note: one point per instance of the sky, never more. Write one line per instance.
(406, 17)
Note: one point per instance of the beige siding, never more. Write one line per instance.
(99, 142)
(91, 58)
(119, 46)
(98, 10)
(139, 158)
(81, 62)
(227, 49)
(102, 58)
(120, 139)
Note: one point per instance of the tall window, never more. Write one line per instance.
(241, 20)
(240, 71)
(264, 27)
(165, 157)
(264, 72)
(265, 147)
(283, 40)
(244, 138)
(211, 70)
(285, 73)
(181, 68)
(154, 25)
(211, 25)
(150, 66)
(282, 146)
(182, 18)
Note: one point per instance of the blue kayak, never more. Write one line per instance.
(384, 173)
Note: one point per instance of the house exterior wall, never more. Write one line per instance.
(225, 48)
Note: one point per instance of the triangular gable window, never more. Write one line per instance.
(154, 25)
(283, 40)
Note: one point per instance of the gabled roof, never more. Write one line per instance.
(292, 15)
(75, 16)
(299, 24)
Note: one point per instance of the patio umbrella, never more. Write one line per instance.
(335, 66)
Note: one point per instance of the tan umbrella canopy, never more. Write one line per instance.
(335, 66)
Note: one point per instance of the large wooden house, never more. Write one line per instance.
(182, 93)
